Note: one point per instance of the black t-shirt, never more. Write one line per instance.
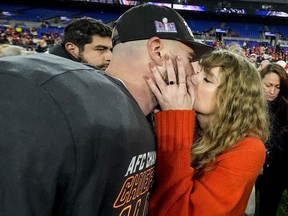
(72, 141)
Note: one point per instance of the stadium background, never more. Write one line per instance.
(260, 27)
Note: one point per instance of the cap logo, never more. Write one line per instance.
(165, 26)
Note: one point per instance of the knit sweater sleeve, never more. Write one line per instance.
(223, 190)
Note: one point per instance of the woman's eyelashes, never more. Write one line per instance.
(207, 80)
(271, 85)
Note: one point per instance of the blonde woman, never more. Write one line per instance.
(210, 136)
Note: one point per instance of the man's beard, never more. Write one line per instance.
(83, 60)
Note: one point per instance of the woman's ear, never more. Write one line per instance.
(72, 49)
(155, 48)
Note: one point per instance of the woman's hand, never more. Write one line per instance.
(178, 93)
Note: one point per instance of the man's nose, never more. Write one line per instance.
(108, 55)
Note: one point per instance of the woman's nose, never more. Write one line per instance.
(272, 90)
(195, 67)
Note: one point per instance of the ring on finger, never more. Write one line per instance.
(171, 82)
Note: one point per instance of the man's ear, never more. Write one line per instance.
(155, 50)
(72, 49)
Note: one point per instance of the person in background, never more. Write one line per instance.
(86, 40)
(253, 59)
(274, 179)
(210, 136)
(263, 64)
(75, 140)
(41, 46)
(282, 63)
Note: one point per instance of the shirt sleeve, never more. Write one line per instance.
(223, 190)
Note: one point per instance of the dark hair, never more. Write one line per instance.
(280, 71)
(80, 31)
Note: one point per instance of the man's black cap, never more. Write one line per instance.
(146, 20)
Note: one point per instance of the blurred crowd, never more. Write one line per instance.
(30, 40)
(259, 52)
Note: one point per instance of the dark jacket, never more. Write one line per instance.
(277, 145)
(73, 141)
(59, 50)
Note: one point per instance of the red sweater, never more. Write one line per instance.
(224, 190)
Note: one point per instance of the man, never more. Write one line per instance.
(253, 59)
(262, 65)
(154, 35)
(88, 41)
(74, 140)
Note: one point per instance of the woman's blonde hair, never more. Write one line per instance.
(241, 108)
